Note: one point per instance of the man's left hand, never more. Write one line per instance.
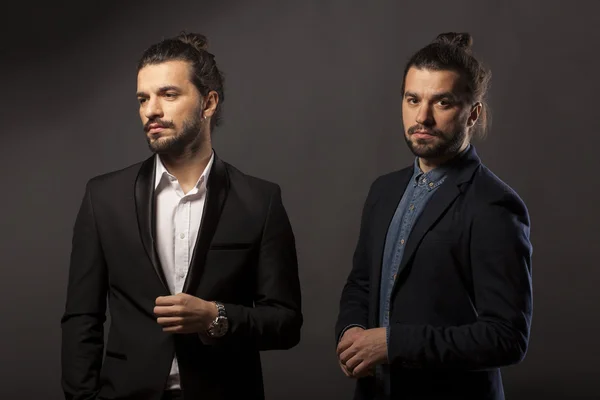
(183, 313)
(365, 350)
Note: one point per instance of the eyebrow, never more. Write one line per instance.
(162, 89)
(435, 97)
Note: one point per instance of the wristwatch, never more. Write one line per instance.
(220, 325)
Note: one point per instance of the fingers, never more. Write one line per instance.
(343, 345)
(177, 325)
(343, 357)
(348, 361)
(351, 355)
(345, 370)
(363, 369)
(169, 311)
(168, 300)
(177, 299)
(353, 363)
(170, 321)
(349, 338)
(175, 314)
(357, 368)
(347, 355)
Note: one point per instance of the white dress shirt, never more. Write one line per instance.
(178, 218)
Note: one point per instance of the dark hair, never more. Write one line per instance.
(190, 47)
(452, 51)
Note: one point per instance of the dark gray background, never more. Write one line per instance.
(313, 103)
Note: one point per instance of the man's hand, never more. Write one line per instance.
(183, 313)
(348, 337)
(360, 351)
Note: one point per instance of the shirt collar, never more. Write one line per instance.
(436, 176)
(162, 173)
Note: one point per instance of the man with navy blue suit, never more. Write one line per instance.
(439, 297)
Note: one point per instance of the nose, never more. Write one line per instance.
(153, 109)
(424, 115)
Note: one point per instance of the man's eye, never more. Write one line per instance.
(141, 100)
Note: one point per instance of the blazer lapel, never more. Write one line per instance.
(460, 171)
(217, 190)
(385, 212)
(144, 203)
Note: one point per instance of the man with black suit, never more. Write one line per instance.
(439, 296)
(197, 259)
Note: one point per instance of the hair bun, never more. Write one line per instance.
(196, 40)
(461, 40)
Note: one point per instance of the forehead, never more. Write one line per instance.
(169, 73)
(426, 82)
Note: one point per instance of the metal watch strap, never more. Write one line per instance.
(218, 327)
(220, 310)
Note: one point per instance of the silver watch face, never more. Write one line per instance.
(219, 328)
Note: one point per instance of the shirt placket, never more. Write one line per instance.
(406, 222)
(182, 237)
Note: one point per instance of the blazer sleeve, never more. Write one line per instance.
(276, 319)
(84, 316)
(500, 252)
(354, 302)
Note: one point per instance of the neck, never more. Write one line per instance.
(428, 164)
(188, 167)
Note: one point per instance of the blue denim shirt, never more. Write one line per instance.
(416, 195)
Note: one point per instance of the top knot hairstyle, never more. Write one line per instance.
(452, 51)
(193, 48)
(462, 41)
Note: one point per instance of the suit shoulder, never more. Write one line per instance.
(253, 183)
(126, 173)
(490, 189)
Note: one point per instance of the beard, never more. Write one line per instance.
(187, 140)
(442, 144)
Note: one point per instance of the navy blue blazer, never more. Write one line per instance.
(461, 306)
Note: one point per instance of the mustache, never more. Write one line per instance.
(159, 122)
(419, 127)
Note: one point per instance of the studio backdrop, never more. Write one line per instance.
(313, 102)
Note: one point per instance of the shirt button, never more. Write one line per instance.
(402, 241)
(412, 207)
(182, 235)
(430, 184)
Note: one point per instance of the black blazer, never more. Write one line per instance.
(461, 306)
(244, 257)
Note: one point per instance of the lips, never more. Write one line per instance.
(423, 135)
(154, 128)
